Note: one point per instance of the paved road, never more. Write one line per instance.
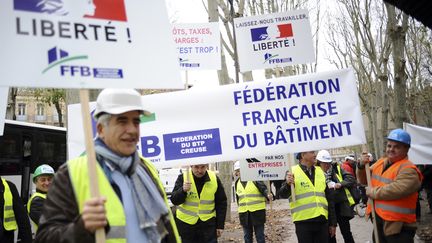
(280, 228)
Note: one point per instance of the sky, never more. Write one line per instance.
(193, 11)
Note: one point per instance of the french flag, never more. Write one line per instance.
(272, 32)
(100, 9)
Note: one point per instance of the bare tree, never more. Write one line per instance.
(359, 39)
(419, 57)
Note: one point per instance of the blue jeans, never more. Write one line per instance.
(259, 233)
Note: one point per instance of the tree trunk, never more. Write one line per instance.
(11, 108)
(60, 113)
(384, 112)
(225, 169)
(398, 37)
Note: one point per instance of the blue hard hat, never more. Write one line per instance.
(399, 135)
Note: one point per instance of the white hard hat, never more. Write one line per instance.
(324, 156)
(237, 165)
(349, 158)
(370, 157)
(117, 101)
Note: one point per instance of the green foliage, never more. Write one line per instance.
(50, 96)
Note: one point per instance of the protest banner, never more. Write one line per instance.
(274, 40)
(87, 44)
(3, 106)
(421, 143)
(277, 116)
(266, 168)
(198, 45)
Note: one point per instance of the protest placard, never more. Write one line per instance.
(265, 168)
(198, 45)
(87, 44)
(274, 40)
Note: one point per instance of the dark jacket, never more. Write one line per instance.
(338, 196)
(285, 192)
(24, 229)
(36, 207)
(258, 217)
(178, 197)
(427, 177)
(61, 221)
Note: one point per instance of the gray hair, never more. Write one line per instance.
(103, 119)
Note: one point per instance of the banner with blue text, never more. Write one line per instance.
(277, 116)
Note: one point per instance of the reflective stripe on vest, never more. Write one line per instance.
(250, 198)
(9, 222)
(78, 173)
(36, 194)
(199, 206)
(347, 192)
(311, 201)
(403, 209)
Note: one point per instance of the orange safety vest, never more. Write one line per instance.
(402, 209)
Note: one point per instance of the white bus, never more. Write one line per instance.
(24, 146)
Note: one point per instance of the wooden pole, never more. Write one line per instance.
(187, 179)
(270, 191)
(91, 155)
(271, 209)
(290, 160)
(290, 156)
(370, 200)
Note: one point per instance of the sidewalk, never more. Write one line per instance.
(279, 227)
(424, 231)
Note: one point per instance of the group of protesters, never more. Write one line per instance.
(134, 206)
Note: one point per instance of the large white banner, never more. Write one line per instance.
(421, 144)
(3, 106)
(198, 45)
(87, 44)
(266, 168)
(278, 116)
(274, 40)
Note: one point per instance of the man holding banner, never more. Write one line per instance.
(133, 206)
(201, 205)
(313, 211)
(395, 182)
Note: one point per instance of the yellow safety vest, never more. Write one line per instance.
(9, 222)
(199, 206)
(36, 194)
(250, 198)
(347, 192)
(78, 173)
(310, 201)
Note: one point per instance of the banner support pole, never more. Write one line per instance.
(91, 154)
